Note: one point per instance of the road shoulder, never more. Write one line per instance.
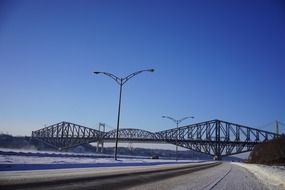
(269, 175)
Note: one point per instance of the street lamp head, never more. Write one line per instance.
(96, 72)
(150, 70)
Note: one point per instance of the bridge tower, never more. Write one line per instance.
(217, 149)
(100, 140)
(277, 127)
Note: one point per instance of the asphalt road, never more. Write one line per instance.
(94, 178)
(204, 176)
(225, 176)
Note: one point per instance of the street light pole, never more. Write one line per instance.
(177, 121)
(121, 81)
(118, 122)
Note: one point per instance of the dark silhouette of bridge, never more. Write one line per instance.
(215, 137)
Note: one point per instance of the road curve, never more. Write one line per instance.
(226, 176)
(108, 178)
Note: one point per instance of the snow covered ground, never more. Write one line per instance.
(11, 160)
(269, 175)
(4, 159)
(53, 153)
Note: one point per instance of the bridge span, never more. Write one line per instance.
(215, 137)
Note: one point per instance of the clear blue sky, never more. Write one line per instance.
(213, 59)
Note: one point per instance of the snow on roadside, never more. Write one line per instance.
(8, 159)
(37, 160)
(48, 152)
(49, 157)
(269, 175)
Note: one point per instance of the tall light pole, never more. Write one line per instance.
(177, 121)
(121, 81)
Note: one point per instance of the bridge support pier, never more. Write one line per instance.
(217, 157)
(218, 141)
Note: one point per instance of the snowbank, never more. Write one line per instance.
(269, 175)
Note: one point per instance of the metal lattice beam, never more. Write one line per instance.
(215, 137)
(65, 135)
(134, 135)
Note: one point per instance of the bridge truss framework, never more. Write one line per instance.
(215, 137)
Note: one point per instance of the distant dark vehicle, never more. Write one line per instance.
(154, 157)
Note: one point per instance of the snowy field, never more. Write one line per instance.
(11, 160)
(49, 153)
(269, 175)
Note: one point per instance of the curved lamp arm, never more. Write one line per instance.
(182, 119)
(114, 77)
(172, 119)
(179, 120)
(124, 80)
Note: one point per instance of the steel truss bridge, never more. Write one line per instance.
(217, 138)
